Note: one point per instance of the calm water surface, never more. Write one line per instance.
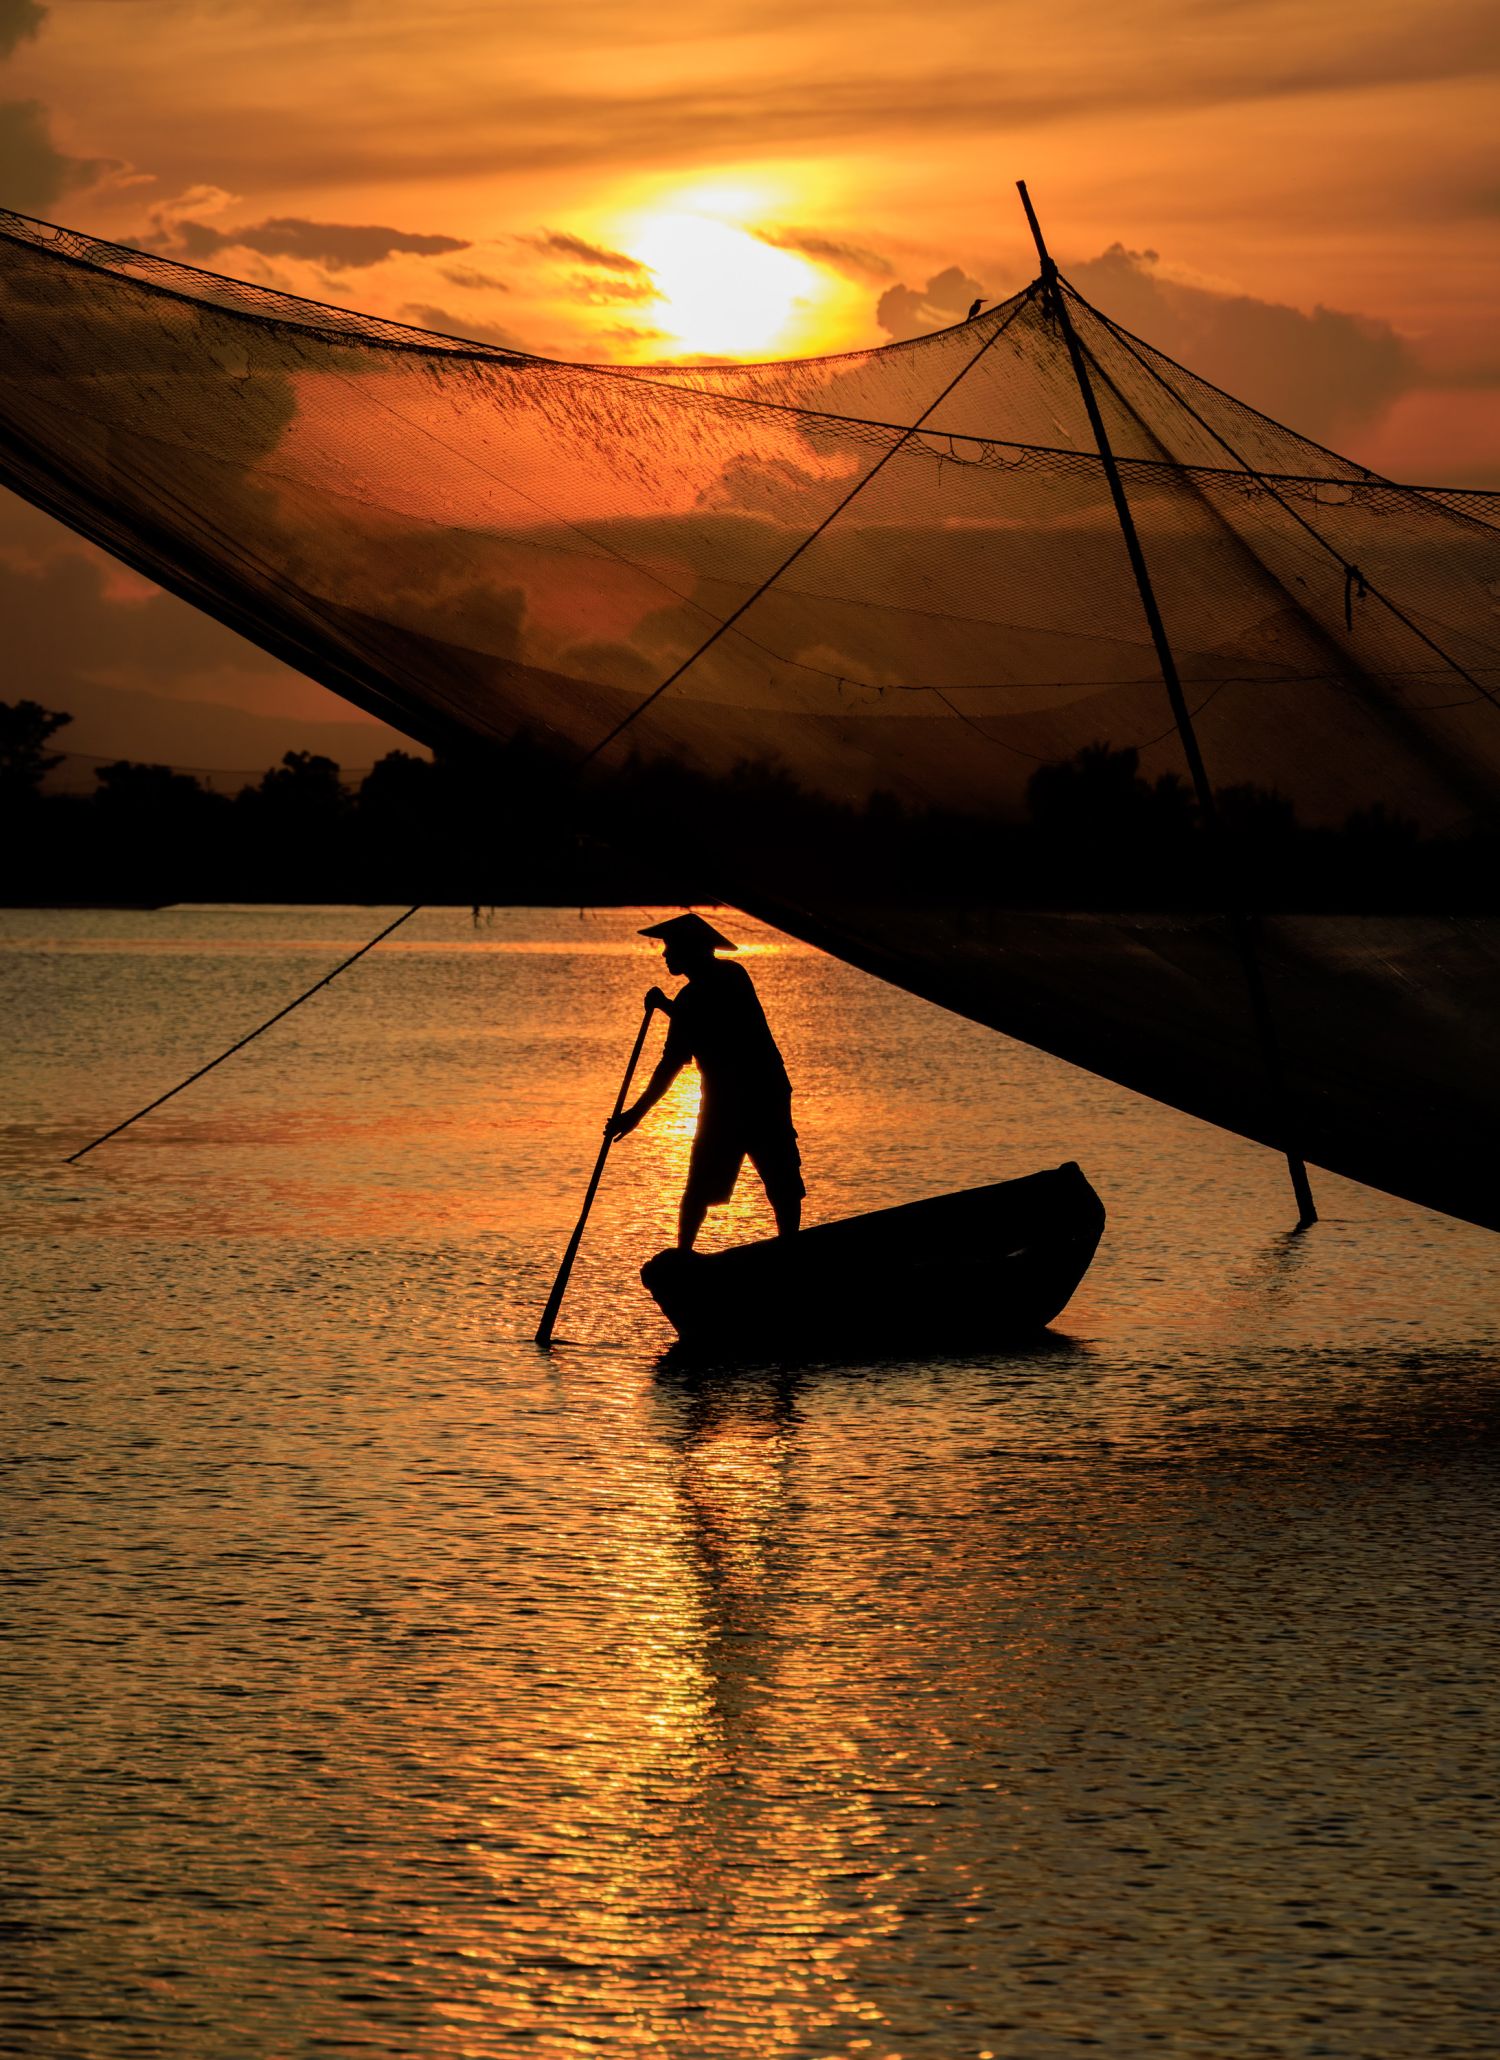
(380, 1685)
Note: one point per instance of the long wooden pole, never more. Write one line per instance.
(1235, 908)
(559, 1286)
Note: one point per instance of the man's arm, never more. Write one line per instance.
(675, 1056)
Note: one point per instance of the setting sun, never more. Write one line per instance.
(723, 292)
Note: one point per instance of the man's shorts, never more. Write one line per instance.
(726, 1139)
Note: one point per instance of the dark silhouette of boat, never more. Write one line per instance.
(987, 1265)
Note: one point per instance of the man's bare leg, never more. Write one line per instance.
(788, 1214)
(689, 1221)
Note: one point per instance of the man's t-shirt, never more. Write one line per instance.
(718, 1021)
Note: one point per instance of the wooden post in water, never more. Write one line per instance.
(559, 1286)
(1235, 909)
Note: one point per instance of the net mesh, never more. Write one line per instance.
(891, 580)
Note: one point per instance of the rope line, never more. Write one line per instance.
(73, 1157)
(807, 542)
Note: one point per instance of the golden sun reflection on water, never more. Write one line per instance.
(684, 1787)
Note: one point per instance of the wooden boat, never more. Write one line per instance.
(988, 1265)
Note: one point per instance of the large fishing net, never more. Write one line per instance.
(834, 620)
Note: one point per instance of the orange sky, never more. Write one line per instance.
(1315, 185)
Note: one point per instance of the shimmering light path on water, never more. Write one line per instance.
(380, 1685)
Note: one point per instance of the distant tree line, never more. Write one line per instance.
(411, 829)
(1095, 835)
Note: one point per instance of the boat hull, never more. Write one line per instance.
(987, 1265)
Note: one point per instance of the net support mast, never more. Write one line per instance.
(1235, 906)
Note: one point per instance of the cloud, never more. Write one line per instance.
(766, 486)
(558, 243)
(342, 246)
(421, 314)
(907, 311)
(19, 22)
(1321, 372)
(935, 91)
(603, 293)
(827, 250)
(630, 334)
(472, 281)
(198, 200)
(33, 171)
(890, 90)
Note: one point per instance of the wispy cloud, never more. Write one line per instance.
(595, 292)
(425, 315)
(631, 334)
(473, 281)
(560, 244)
(1000, 87)
(342, 246)
(827, 250)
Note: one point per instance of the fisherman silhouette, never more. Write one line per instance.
(746, 1109)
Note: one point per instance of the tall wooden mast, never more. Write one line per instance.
(1236, 907)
